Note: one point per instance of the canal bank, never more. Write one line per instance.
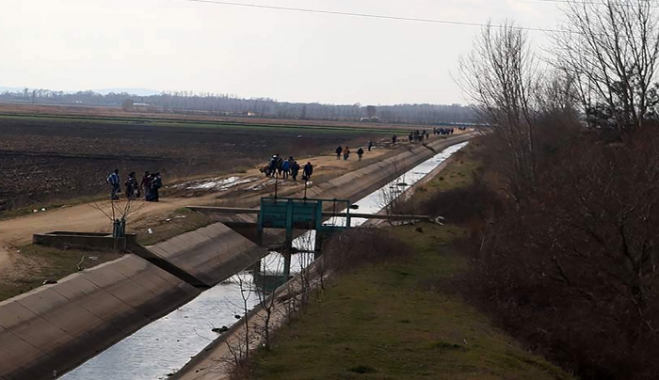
(215, 361)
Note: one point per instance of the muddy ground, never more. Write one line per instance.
(52, 159)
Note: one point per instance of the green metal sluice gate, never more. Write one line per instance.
(300, 214)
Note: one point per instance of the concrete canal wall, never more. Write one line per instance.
(57, 327)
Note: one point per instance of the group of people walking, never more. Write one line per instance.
(345, 151)
(277, 166)
(418, 135)
(443, 131)
(150, 185)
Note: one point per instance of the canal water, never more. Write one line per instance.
(164, 346)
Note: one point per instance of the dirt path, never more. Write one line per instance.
(17, 232)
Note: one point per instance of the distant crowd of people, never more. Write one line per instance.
(149, 186)
(276, 166)
(288, 168)
(443, 131)
(421, 135)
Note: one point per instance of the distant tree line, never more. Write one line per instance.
(213, 104)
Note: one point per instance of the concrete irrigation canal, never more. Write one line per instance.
(139, 317)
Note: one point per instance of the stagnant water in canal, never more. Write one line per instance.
(165, 345)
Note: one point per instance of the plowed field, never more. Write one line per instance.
(46, 159)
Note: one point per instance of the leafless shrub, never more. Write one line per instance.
(358, 246)
(573, 271)
(239, 348)
(475, 202)
(265, 292)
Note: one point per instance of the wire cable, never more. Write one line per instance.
(602, 3)
(366, 15)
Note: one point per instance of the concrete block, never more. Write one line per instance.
(13, 314)
(41, 334)
(42, 301)
(21, 361)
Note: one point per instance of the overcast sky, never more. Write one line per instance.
(294, 56)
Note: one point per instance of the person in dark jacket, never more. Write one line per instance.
(146, 184)
(370, 145)
(131, 186)
(360, 153)
(156, 184)
(338, 152)
(308, 171)
(295, 169)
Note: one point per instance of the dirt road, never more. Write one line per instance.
(17, 232)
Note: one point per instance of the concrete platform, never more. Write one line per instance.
(56, 327)
(211, 254)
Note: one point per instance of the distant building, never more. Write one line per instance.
(144, 107)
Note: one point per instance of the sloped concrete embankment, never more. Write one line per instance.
(57, 327)
(209, 253)
(361, 182)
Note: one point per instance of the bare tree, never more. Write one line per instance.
(266, 288)
(118, 213)
(610, 49)
(240, 346)
(501, 76)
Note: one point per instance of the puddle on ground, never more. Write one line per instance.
(217, 184)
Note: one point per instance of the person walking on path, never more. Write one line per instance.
(156, 184)
(346, 154)
(338, 152)
(295, 168)
(360, 153)
(307, 172)
(114, 181)
(146, 184)
(393, 139)
(286, 168)
(131, 187)
(370, 145)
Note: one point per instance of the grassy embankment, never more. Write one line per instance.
(38, 264)
(400, 320)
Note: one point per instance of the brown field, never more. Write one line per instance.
(57, 158)
(118, 113)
